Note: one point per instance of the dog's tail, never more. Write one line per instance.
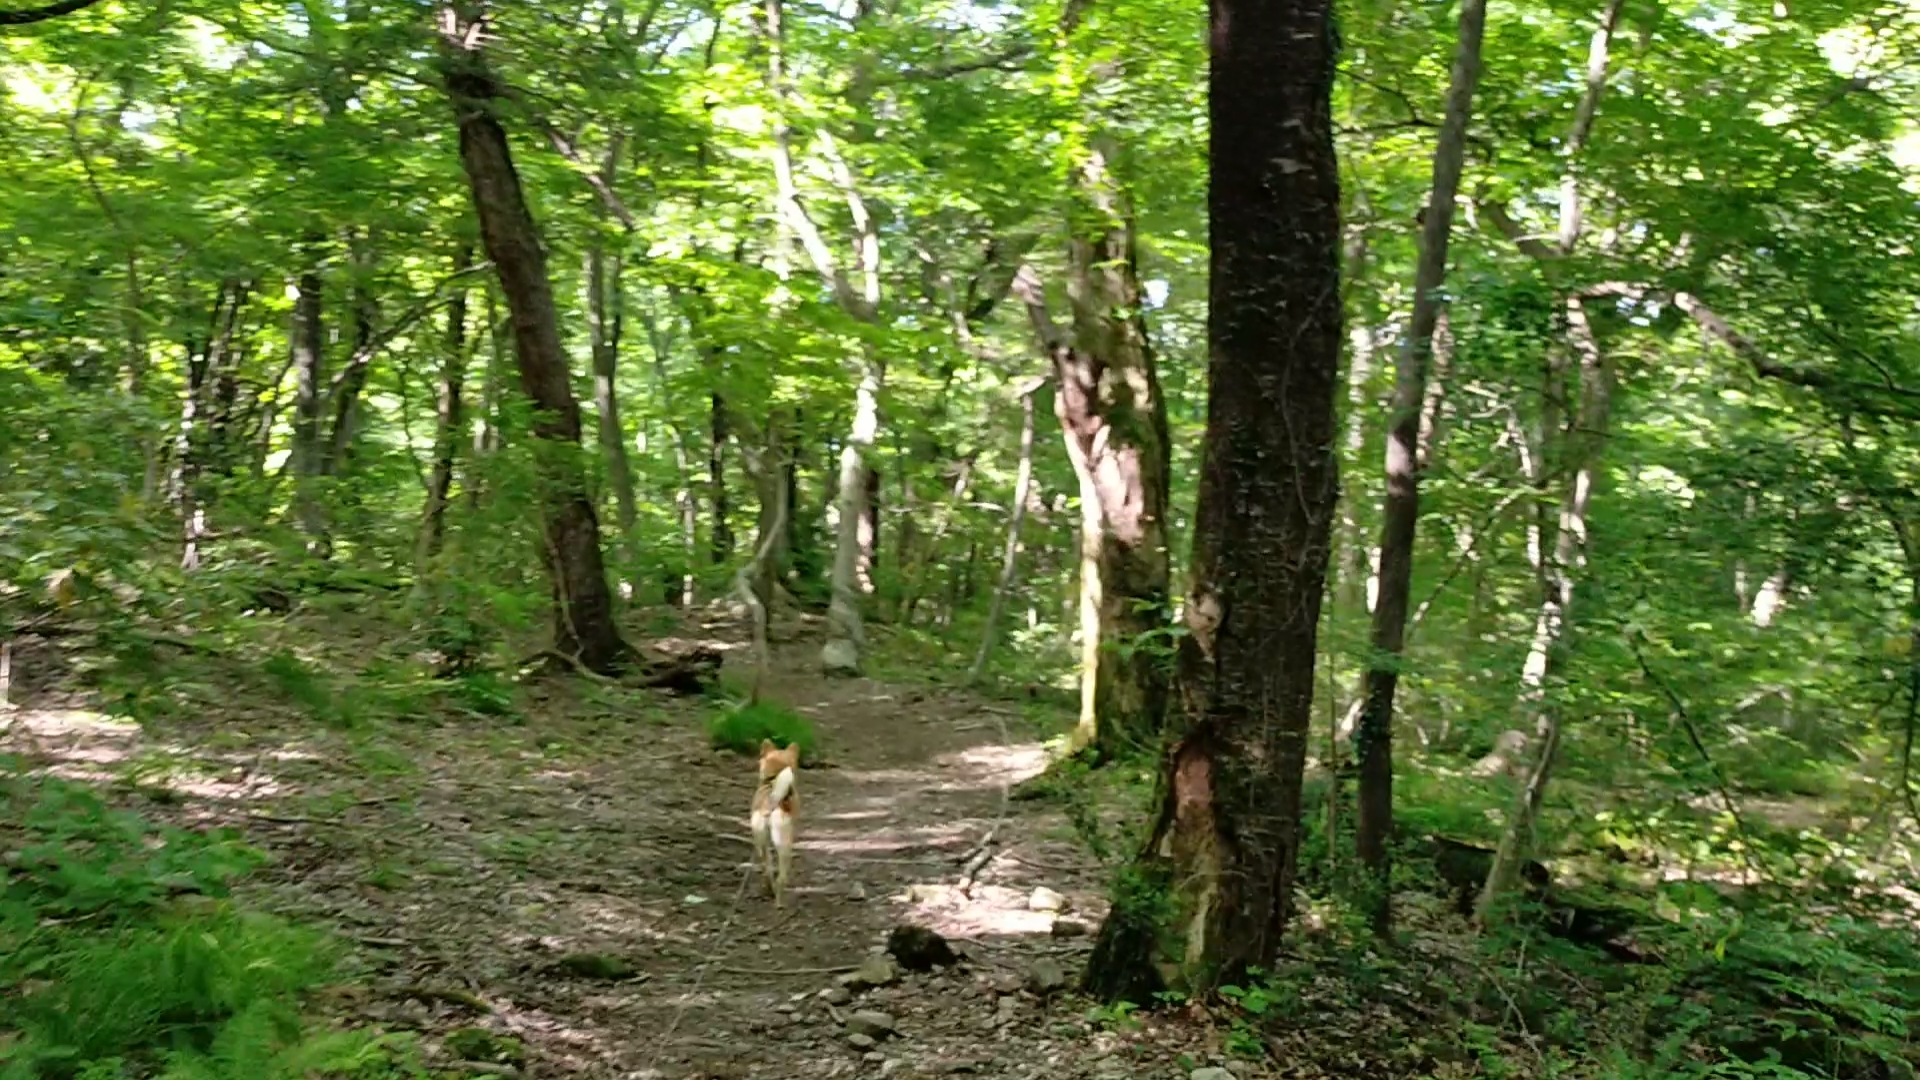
(782, 787)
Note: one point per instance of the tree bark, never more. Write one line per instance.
(584, 626)
(42, 14)
(353, 378)
(1225, 841)
(306, 337)
(1400, 512)
(1114, 423)
(450, 416)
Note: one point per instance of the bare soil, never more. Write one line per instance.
(470, 864)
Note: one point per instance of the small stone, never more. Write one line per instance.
(856, 891)
(1007, 1006)
(861, 1042)
(1069, 928)
(1210, 1073)
(840, 657)
(920, 949)
(870, 1022)
(891, 1066)
(786, 1007)
(874, 971)
(1240, 1067)
(1045, 977)
(1045, 899)
(986, 1024)
(875, 1057)
(1007, 983)
(836, 995)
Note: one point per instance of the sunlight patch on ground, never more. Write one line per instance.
(933, 836)
(992, 910)
(1010, 763)
(68, 724)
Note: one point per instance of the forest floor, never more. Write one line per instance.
(576, 882)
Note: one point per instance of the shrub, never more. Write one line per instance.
(742, 727)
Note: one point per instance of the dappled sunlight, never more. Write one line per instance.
(992, 910)
(886, 840)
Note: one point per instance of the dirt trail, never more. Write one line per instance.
(467, 861)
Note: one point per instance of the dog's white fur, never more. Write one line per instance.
(774, 811)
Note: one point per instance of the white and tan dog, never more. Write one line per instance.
(776, 807)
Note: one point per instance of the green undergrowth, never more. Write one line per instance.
(1797, 979)
(741, 728)
(123, 956)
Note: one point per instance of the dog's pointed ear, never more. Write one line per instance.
(766, 746)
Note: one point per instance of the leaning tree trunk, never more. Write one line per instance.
(1010, 560)
(1401, 511)
(1559, 571)
(449, 418)
(1224, 847)
(584, 626)
(1560, 575)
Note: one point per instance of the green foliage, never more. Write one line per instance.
(118, 957)
(306, 686)
(741, 728)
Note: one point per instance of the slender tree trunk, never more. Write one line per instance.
(720, 538)
(1561, 574)
(1010, 559)
(191, 443)
(605, 318)
(345, 399)
(857, 291)
(1559, 571)
(1224, 846)
(1401, 511)
(450, 417)
(584, 626)
(306, 338)
(847, 644)
(1354, 563)
(486, 433)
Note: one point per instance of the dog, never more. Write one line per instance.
(776, 806)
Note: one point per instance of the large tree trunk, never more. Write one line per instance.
(1401, 511)
(1113, 419)
(1115, 426)
(582, 603)
(449, 418)
(1226, 839)
(306, 338)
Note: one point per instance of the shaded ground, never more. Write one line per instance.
(467, 861)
